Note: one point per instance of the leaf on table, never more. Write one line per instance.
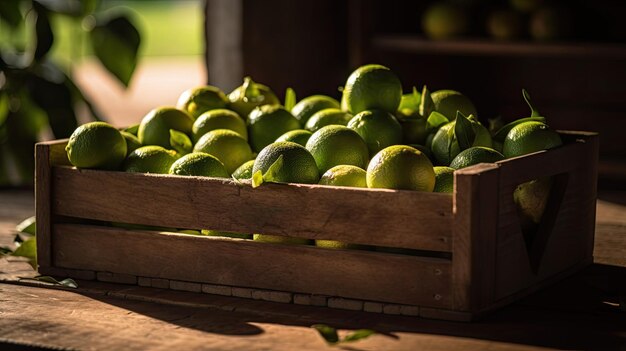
(115, 42)
(328, 333)
(67, 282)
(358, 335)
(180, 142)
(290, 99)
(28, 226)
(28, 249)
(464, 131)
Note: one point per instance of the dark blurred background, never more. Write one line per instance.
(570, 55)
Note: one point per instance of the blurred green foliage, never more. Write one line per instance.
(37, 95)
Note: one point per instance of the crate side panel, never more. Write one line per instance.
(417, 220)
(572, 233)
(244, 263)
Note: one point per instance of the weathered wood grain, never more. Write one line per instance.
(407, 219)
(43, 198)
(292, 268)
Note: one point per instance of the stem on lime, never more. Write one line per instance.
(534, 112)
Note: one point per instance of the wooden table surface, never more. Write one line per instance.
(581, 312)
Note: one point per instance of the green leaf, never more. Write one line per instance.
(533, 111)
(10, 12)
(427, 105)
(435, 120)
(116, 43)
(257, 179)
(43, 32)
(180, 142)
(328, 333)
(251, 92)
(358, 335)
(134, 129)
(290, 99)
(28, 226)
(502, 132)
(273, 170)
(67, 282)
(28, 249)
(463, 131)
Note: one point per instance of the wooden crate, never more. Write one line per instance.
(467, 251)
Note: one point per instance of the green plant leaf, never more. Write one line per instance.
(290, 99)
(257, 179)
(463, 131)
(134, 129)
(273, 170)
(28, 249)
(251, 92)
(502, 132)
(329, 334)
(10, 12)
(427, 105)
(115, 42)
(180, 142)
(533, 111)
(67, 282)
(43, 31)
(435, 120)
(358, 335)
(28, 226)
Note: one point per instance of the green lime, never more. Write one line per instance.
(308, 106)
(228, 146)
(96, 145)
(199, 164)
(372, 87)
(298, 165)
(150, 159)
(218, 119)
(244, 171)
(447, 102)
(529, 137)
(250, 95)
(444, 179)
(298, 136)
(327, 117)
(378, 128)
(132, 142)
(155, 126)
(337, 145)
(445, 20)
(401, 167)
(445, 146)
(198, 100)
(475, 155)
(267, 123)
(345, 175)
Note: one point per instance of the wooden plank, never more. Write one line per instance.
(354, 274)
(570, 239)
(474, 241)
(393, 218)
(43, 203)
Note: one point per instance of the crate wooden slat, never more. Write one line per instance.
(313, 212)
(471, 252)
(305, 269)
